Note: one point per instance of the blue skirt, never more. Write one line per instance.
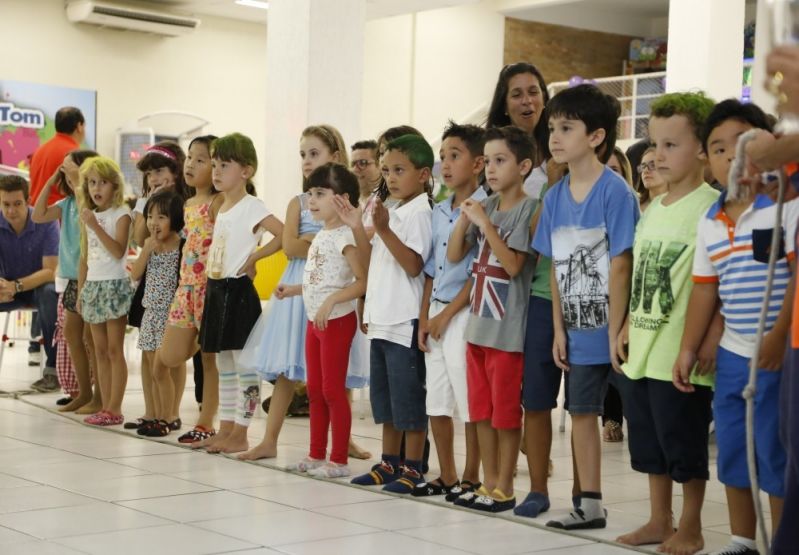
(276, 345)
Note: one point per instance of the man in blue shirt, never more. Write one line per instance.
(28, 259)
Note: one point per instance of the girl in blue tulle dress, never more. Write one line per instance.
(276, 346)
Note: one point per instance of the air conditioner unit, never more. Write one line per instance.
(105, 14)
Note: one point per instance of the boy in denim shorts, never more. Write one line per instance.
(397, 253)
(586, 227)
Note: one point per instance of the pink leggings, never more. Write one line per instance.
(327, 354)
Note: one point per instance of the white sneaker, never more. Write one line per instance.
(330, 470)
(306, 465)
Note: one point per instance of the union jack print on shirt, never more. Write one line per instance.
(491, 281)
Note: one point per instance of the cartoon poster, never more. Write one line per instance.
(27, 118)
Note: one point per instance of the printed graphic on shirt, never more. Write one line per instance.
(316, 261)
(582, 276)
(491, 281)
(216, 256)
(652, 276)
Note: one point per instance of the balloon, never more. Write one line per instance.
(575, 80)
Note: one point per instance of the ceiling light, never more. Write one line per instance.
(254, 4)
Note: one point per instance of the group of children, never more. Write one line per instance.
(474, 307)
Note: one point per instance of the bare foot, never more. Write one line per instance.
(650, 533)
(210, 442)
(358, 452)
(75, 404)
(683, 543)
(90, 408)
(261, 451)
(230, 445)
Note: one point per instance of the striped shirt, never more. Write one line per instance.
(735, 255)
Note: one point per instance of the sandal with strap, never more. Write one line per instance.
(199, 433)
(463, 488)
(135, 424)
(612, 432)
(436, 487)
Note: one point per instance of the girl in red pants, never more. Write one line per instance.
(332, 280)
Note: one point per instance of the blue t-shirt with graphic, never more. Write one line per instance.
(581, 238)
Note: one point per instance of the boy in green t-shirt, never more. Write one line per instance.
(668, 429)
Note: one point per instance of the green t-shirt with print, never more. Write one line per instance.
(540, 286)
(663, 258)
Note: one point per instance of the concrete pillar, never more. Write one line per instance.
(763, 38)
(314, 66)
(706, 47)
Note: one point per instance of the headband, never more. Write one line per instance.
(162, 152)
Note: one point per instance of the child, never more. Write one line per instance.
(667, 427)
(276, 348)
(160, 259)
(586, 228)
(162, 168)
(396, 257)
(185, 313)
(443, 316)
(232, 305)
(332, 280)
(732, 251)
(77, 335)
(502, 271)
(104, 288)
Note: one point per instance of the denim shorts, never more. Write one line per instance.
(397, 387)
(542, 377)
(586, 386)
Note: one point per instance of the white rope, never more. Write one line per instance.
(735, 191)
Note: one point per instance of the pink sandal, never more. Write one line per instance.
(104, 418)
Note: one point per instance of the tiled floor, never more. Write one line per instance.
(69, 488)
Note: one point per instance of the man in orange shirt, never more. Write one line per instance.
(70, 127)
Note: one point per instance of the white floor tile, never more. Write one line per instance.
(310, 493)
(129, 488)
(285, 527)
(39, 548)
(204, 506)
(398, 514)
(161, 540)
(9, 536)
(14, 500)
(75, 521)
(384, 543)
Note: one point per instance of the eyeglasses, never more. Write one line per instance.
(648, 166)
(362, 164)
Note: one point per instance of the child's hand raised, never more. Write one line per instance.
(89, 219)
(352, 216)
(380, 217)
(475, 212)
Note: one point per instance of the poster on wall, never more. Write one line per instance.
(27, 118)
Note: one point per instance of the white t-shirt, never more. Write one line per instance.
(535, 182)
(392, 296)
(235, 237)
(327, 271)
(101, 264)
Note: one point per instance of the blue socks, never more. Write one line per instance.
(384, 473)
(410, 478)
(533, 505)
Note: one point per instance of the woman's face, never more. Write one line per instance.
(525, 101)
(649, 174)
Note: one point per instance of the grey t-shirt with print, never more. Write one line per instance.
(498, 311)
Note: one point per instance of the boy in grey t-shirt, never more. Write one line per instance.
(501, 274)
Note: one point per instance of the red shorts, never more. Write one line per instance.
(494, 379)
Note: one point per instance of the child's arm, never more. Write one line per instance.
(216, 204)
(282, 290)
(701, 305)
(772, 350)
(410, 260)
(458, 246)
(353, 291)
(41, 212)
(621, 269)
(352, 216)
(559, 346)
(83, 269)
(139, 266)
(294, 245)
(273, 226)
(424, 310)
(140, 231)
(117, 245)
(510, 259)
(706, 355)
(437, 325)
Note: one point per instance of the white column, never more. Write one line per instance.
(706, 47)
(314, 66)
(763, 38)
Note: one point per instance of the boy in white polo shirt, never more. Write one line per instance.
(397, 253)
(731, 262)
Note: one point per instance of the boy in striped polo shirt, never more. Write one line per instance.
(731, 263)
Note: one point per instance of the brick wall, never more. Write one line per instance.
(561, 52)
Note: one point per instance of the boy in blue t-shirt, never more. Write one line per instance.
(587, 226)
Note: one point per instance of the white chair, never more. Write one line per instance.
(8, 340)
